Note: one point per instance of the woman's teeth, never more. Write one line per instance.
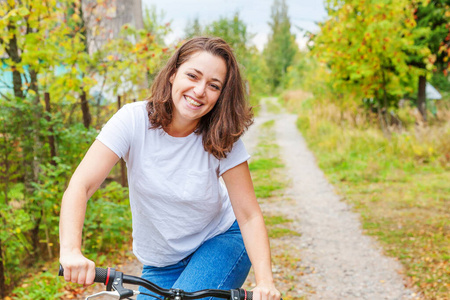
(192, 101)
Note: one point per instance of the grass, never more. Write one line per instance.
(400, 186)
(276, 227)
(266, 165)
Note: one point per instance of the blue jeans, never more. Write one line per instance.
(219, 263)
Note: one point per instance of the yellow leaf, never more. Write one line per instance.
(18, 230)
(76, 17)
(23, 11)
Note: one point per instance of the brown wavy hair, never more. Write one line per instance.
(231, 115)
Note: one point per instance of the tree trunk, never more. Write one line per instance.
(32, 143)
(85, 110)
(2, 274)
(35, 147)
(17, 84)
(421, 97)
(5, 176)
(12, 50)
(51, 137)
(35, 236)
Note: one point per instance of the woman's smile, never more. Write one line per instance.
(192, 101)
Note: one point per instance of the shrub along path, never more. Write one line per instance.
(329, 258)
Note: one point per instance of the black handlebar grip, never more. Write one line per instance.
(249, 295)
(101, 274)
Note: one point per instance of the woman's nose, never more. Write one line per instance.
(200, 89)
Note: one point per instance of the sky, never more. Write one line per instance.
(255, 13)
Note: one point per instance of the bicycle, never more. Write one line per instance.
(114, 281)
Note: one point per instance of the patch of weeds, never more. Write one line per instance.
(268, 124)
(273, 107)
(278, 232)
(275, 227)
(41, 286)
(276, 220)
(266, 166)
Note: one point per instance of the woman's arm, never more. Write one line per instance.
(87, 178)
(249, 216)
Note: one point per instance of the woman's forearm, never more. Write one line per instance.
(256, 241)
(73, 210)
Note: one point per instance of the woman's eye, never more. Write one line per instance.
(216, 87)
(190, 75)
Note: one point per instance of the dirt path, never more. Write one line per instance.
(331, 259)
(336, 260)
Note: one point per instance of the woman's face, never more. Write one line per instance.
(196, 86)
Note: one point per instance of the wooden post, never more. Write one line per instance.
(422, 98)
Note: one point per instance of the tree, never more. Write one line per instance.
(193, 28)
(153, 24)
(234, 31)
(24, 27)
(281, 47)
(366, 46)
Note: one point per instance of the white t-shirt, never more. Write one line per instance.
(176, 198)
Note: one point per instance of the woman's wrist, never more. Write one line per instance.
(69, 250)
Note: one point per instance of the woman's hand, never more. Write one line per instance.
(77, 268)
(266, 292)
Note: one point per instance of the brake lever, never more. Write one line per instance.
(117, 286)
(111, 294)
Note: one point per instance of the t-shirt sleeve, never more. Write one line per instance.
(236, 156)
(117, 133)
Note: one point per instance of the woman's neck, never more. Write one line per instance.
(177, 129)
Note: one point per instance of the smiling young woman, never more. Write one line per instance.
(189, 230)
(196, 87)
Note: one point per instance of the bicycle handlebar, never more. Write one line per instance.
(114, 279)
